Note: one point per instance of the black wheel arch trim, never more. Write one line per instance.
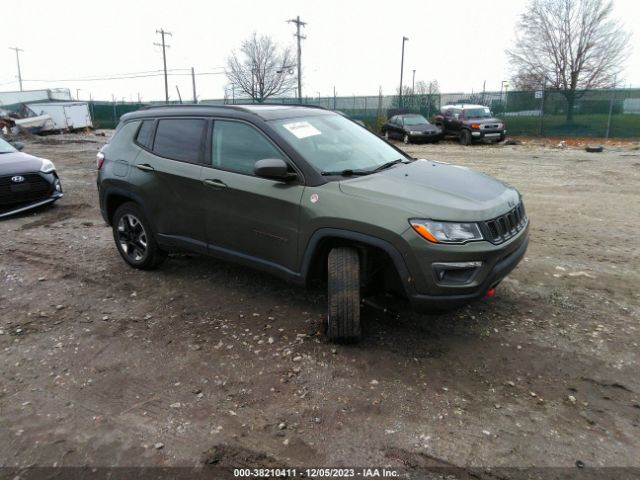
(121, 192)
(340, 234)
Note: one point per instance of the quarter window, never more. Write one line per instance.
(145, 134)
(179, 139)
(238, 146)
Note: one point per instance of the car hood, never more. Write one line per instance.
(421, 127)
(436, 190)
(18, 162)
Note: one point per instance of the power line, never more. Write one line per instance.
(162, 32)
(299, 24)
(159, 74)
(18, 50)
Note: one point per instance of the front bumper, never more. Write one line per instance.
(488, 134)
(430, 293)
(425, 137)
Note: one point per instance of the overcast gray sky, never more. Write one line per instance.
(354, 45)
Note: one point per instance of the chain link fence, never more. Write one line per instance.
(550, 113)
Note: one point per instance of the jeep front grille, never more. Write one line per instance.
(502, 228)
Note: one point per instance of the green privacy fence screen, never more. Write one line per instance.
(593, 113)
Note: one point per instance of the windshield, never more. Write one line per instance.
(477, 113)
(415, 120)
(6, 147)
(332, 143)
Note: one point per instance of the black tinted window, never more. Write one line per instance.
(145, 133)
(238, 146)
(179, 139)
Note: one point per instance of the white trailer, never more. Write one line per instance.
(64, 115)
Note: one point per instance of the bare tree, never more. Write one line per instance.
(569, 45)
(428, 96)
(262, 69)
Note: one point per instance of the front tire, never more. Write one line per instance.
(134, 239)
(343, 317)
(465, 137)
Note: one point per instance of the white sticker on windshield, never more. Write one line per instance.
(302, 129)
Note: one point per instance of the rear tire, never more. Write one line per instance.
(465, 137)
(134, 238)
(343, 317)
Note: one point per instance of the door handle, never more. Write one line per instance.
(145, 166)
(215, 183)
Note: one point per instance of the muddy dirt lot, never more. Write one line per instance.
(200, 361)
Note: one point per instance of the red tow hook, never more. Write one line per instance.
(491, 292)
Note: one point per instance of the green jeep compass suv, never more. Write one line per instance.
(307, 194)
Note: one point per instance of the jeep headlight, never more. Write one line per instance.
(447, 232)
(47, 166)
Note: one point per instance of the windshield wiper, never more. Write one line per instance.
(345, 173)
(384, 166)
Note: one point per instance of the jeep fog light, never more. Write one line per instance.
(447, 232)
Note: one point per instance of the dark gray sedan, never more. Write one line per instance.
(411, 128)
(26, 181)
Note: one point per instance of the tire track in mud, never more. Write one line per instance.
(59, 213)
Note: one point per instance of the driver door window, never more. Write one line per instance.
(237, 147)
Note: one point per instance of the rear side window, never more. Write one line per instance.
(179, 139)
(237, 147)
(145, 134)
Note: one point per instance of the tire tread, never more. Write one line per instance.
(343, 322)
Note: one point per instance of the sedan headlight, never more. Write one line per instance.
(47, 166)
(447, 232)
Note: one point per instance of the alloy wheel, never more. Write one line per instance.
(132, 237)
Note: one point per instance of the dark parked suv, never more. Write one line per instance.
(470, 123)
(306, 194)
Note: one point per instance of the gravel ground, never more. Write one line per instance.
(203, 361)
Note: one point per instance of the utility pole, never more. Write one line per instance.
(404, 39)
(299, 24)
(179, 96)
(18, 50)
(164, 46)
(193, 82)
(413, 84)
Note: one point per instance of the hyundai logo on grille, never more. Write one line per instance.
(17, 179)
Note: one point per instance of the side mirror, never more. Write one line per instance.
(18, 146)
(274, 168)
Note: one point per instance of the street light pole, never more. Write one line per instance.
(18, 50)
(413, 84)
(504, 84)
(404, 39)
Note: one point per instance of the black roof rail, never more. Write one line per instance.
(227, 105)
